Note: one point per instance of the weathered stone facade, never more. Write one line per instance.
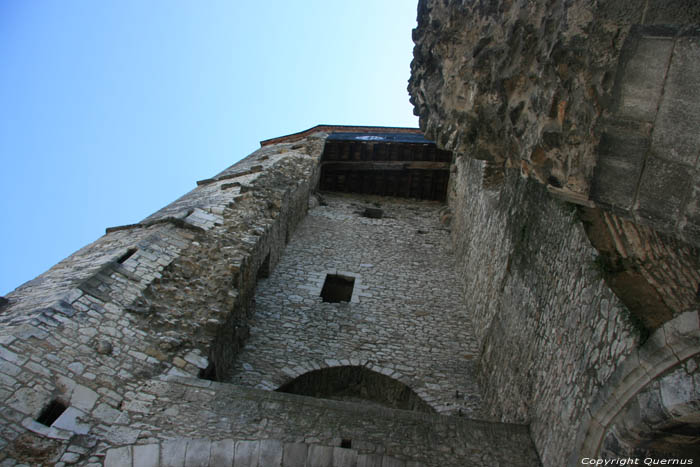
(550, 331)
(597, 102)
(401, 319)
(121, 334)
(258, 322)
(144, 301)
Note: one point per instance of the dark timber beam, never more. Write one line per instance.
(386, 165)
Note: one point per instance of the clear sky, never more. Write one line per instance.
(111, 109)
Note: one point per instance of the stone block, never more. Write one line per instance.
(675, 131)
(294, 455)
(677, 393)
(643, 75)
(11, 357)
(9, 368)
(628, 379)
(270, 453)
(50, 432)
(172, 453)
(197, 454)
(621, 153)
(147, 455)
(672, 12)
(691, 230)
(685, 324)
(123, 434)
(83, 398)
(70, 457)
(246, 454)
(604, 405)
(655, 356)
(118, 457)
(344, 457)
(222, 452)
(320, 456)
(662, 189)
(69, 421)
(388, 461)
(106, 413)
(29, 401)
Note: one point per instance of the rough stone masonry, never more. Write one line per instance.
(596, 104)
(108, 358)
(500, 329)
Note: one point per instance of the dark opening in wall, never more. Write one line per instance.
(346, 443)
(264, 271)
(126, 255)
(337, 288)
(356, 384)
(51, 412)
(373, 213)
(208, 373)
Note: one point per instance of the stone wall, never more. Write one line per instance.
(401, 321)
(99, 357)
(596, 100)
(157, 297)
(550, 331)
(596, 103)
(184, 408)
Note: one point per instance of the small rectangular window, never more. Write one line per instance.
(126, 255)
(337, 288)
(51, 412)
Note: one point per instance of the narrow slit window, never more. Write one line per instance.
(51, 412)
(337, 288)
(264, 270)
(126, 255)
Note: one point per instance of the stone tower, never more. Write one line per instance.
(522, 291)
(299, 308)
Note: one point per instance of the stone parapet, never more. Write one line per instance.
(169, 295)
(218, 413)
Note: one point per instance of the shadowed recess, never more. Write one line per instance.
(356, 384)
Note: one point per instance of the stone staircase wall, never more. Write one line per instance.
(170, 408)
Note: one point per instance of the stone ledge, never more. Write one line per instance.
(245, 453)
(435, 440)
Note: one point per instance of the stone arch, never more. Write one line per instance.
(667, 348)
(357, 383)
(662, 420)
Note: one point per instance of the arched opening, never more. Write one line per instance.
(356, 384)
(650, 405)
(662, 420)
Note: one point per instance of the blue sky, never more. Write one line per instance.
(111, 109)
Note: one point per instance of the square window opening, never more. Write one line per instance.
(51, 412)
(337, 288)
